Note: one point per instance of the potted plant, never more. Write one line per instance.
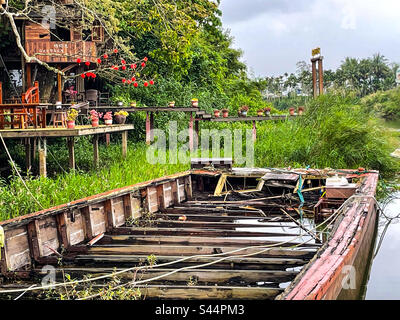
(133, 104)
(120, 116)
(225, 113)
(260, 112)
(195, 103)
(120, 103)
(300, 110)
(291, 111)
(216, 113)
(243, 111)
(171, 104)
(108, 118)
(94, 117)
(71, 117)
(267, 111)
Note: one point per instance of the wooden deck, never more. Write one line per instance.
(64, 132)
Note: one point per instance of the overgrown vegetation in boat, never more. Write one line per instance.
(334, 132)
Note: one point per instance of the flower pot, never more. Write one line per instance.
(291, 111)
(120, 103)
(108, 122)
(225, 114)
(216, 113)
(133, 104)
(171, 105)
(260, 113)
(195, 104)
(71, 124)
(120, 119)
(95, 123)
(300, 111)
(243, 113)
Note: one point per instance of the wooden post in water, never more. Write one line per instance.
(96, 150)
(71, 152)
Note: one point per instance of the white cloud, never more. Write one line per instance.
(274, 35)
(349, 20)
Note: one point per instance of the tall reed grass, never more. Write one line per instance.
(335, 133)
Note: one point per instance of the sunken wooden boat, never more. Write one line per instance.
(209, 233)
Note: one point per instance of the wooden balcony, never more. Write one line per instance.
(61, 51)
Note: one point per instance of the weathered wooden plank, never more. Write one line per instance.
(34, 239)
(61, 220)
(204, 217)
(197, 232)
(244, 277)
(184, 241)
(208, 292)
(127, 199)
(227, 263)
(75, 227)
(165, 250)
(216, 225)
(17, 248)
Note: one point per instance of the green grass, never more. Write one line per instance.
(335, 133)
(15, 199)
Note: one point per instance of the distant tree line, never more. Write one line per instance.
(363, 76)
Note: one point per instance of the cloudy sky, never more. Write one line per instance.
(275, 34)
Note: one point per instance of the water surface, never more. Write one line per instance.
(384, 282)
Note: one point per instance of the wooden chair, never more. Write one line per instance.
(18, 116)
(104, 99)
(92, 96)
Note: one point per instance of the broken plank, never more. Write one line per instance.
(208, 292)
(198, 232)
(183, 241)
(166, 250)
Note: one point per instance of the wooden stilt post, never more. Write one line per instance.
(148, 139)
(314, 77)
(96, 150)
(42, 157)
(28, 154)
(191, 132)
(59, 86)
(151, 126)
(254, 131)
(321, 76)
(108, 138)
(28, 75)
(71, 152)
(196, 129)
(124, 143)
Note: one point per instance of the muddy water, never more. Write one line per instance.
(384, 282)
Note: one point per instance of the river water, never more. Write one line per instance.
(384, 281)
